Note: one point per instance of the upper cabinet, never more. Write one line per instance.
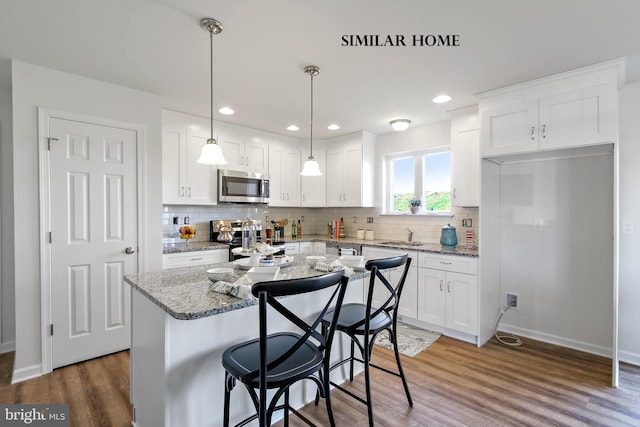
(314, 188)
(284, 175)
(572, 109)
(242, 152)
(184, 181)
(350, 170)
(465, 158)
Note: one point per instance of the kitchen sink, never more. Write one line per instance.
(399, 243)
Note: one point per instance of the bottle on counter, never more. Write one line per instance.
(294, 230)
(341, 228)
(299, 233)
(329, 235)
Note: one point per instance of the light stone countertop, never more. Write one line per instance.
(380, 243)
(184, 293)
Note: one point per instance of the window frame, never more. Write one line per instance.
(417, 179)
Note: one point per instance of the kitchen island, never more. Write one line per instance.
(180, 328)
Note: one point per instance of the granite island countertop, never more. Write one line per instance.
(185, 294)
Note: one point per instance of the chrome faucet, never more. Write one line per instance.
(410, 236)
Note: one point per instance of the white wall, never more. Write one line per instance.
(629, 244)
(35, 86)
(7, 331)
(562, 269)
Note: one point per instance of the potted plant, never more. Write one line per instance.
(414, 205)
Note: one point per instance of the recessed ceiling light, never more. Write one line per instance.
(293, 127)
(441, 99)
(226, 110)
(333, 126)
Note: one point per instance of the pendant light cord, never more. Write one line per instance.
(211, 73)
(311, 130)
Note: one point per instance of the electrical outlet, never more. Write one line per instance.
(355, 219)
(369, 220)
(302, 218)
(512, 300)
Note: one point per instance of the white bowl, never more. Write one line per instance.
(314, 259)
(262, 274)
(222, 273)
(351, 260)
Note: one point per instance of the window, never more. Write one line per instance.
(425, 175)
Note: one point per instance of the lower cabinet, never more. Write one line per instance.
(312, 248)
(448, 292)
(190, 259)
(408, 299)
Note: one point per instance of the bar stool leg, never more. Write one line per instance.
(400, 370)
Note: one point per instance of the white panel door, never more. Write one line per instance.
(201, 179)
(256, 157)
(335, 177)
(509, 129)
(353, 176)
(93, 221)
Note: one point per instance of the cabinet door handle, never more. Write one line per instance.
(242, 160)
(454, 192)
(283, 199)
(246, 161)
(189, 191)
(182, 191)
(533, 135)
(441, 283)
(445, 262)
(196, 259)
(544, 131)
(449, 287)
(303, 198)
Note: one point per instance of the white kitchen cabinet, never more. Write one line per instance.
(284, 175)
(292, 248)
(350, 170)
(314, 188)
(465, 158)
(572, 109)
(448, 292)
(190, 259)
(311, 248)
(408, 300)
(184, 181)
(243, 153)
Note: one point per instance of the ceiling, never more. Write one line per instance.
(158, 46)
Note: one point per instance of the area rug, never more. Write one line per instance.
(411, 340)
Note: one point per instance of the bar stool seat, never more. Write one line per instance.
(280, 359)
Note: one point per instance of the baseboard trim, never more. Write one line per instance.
(628, 357)
(8, 346)
(27, 373)
(557, 340)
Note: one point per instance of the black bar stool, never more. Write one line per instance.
(366, 321)
(278, 360)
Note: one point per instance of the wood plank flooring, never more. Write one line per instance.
(453, 384)
(97, 390)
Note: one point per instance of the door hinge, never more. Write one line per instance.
(49, 139)
(51, 329)
(50, 238)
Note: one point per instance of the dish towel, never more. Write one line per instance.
(334, 266)
(237, 289)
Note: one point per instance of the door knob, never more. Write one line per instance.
(129, 250)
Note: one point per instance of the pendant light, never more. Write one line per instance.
(311, 167)
(211, 152)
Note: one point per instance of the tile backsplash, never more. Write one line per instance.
(314, 221)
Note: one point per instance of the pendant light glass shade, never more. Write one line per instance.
(311, 166)
(211, 153)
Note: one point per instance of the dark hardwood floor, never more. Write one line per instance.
(453, 384)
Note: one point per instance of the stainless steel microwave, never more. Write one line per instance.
(242, 187)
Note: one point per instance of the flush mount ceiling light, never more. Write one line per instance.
(333, 126)
(441, 99)
(400, 124)
(293, 128)
(211, 152)
(311, 167)
(226, 111)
